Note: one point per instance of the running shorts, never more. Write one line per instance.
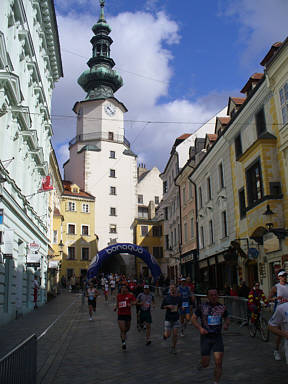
(171, 324)
(185, 309)
(124, 317)
(145, 317)
(92, 302)
(211, 343)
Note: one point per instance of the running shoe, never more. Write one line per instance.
(123, 345)
(182, 334)
(173, 350)
(277, 355)
(90, 318)
(148, 342)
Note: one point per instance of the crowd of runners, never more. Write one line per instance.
(181, 309)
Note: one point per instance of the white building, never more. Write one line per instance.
(30, 64)
(101, 161)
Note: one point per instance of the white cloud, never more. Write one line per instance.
(141, 46)
(263, 22)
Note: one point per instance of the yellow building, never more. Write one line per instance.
(148, 233)
(258, 173)
(75, 240)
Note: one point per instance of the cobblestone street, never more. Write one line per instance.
(76, 350)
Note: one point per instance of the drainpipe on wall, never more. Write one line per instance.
(197, 275)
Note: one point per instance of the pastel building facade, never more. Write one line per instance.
(30, 64)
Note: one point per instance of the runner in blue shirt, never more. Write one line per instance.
(185, 293)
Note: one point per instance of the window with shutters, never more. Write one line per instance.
(71, 206)
(283, 93)
(71, 229)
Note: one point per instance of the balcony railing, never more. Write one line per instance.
(100, 136)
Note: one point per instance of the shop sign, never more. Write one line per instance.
(253, 253)
(33, 257)
(271, 242)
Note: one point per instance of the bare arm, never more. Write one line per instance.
(272, 294)
(198, 326)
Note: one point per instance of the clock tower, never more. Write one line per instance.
(101, 161)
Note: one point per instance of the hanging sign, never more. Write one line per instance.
(33, 257)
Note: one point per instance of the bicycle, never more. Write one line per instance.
(260, 324)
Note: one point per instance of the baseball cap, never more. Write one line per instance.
(282, 273)
(183, 279)
(146, 286)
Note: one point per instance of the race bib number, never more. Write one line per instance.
(91, 297)
(214, 320)
(185, 304)
(122, 304)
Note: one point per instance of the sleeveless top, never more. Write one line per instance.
(282, 290)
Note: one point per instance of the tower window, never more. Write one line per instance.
(112, 173)
(110, 136)
(112, 155)
(113, 228)
(112, 190)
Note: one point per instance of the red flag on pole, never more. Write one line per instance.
(45, 184)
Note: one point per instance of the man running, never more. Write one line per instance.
(279, 294)
(211, 314)
(145, 300)
(124, 301)
(185, 293)
(92, 294)
(172, 303)
(278, 325)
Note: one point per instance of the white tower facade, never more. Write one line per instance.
(101, 161)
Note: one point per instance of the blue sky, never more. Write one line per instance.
(180, 62)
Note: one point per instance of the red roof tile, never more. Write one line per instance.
(271, 52)
(252, 79)
(238, 100)
(212, 136)
(184, 136)
(224, 120)
(80, 194)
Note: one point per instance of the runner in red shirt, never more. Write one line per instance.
(124, 301)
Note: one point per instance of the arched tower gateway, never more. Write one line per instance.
(101, 161)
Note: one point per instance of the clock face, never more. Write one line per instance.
(110, 109)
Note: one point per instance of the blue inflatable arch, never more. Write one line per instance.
(124, 248)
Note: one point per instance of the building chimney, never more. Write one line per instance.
(141, 170)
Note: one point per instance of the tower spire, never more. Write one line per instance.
(102, 5)
(100, 81)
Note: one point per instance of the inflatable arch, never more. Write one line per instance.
(115, 249)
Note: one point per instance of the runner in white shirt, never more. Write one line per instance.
(278, 325)
(279, 294)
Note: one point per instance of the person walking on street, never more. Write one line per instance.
(279, 294)
(145, 300)
(211, 314)
(35, 291)
(124, 301)
(92, 294)
(172, 303)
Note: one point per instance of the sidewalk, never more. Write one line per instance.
(77, 350)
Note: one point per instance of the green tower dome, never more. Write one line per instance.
(100, 81)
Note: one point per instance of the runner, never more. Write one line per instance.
(106, 291)
(112, 285)
(145, 300)
(185, 293)
(124, 301)
(92, 294)
(172, 303)
(211, 314)
(278, 325)
(278, 294)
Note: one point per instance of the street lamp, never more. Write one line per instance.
(269, 213)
